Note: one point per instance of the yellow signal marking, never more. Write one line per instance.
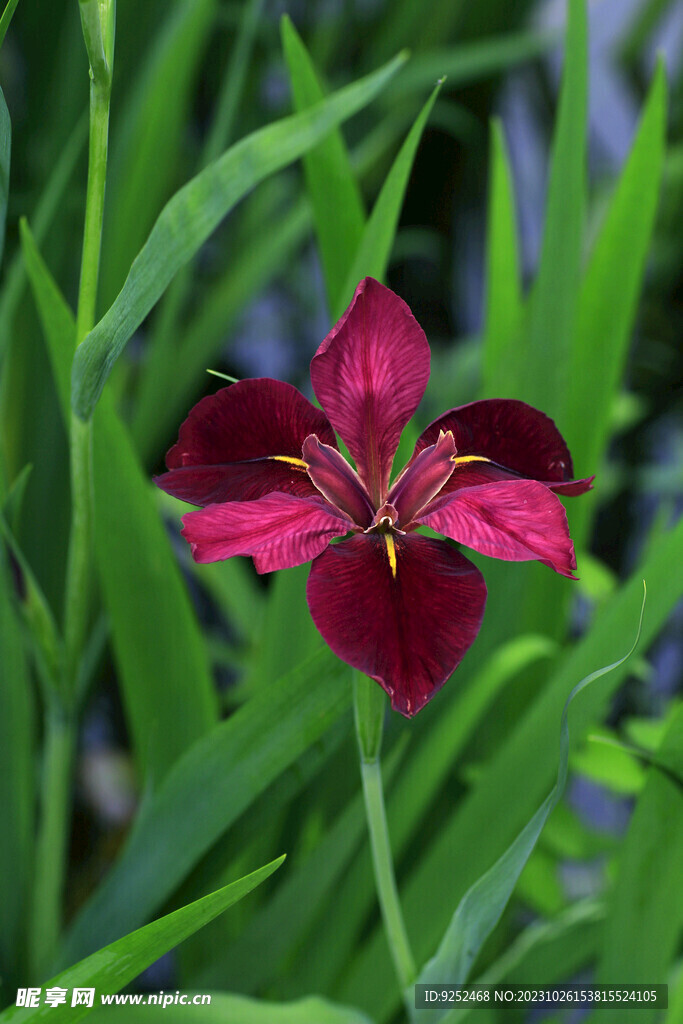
(391, 551)
(299, 463)
(460, 461)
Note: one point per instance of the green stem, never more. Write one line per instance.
(51, 846)
(79, 566)
(369, 702)
(60, 715)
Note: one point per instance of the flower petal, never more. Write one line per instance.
(243, 442)
(518, 439)
(369, 375)
(516, 520)
(406, 624)
(335, 478)
(423, 478)
(277, 530)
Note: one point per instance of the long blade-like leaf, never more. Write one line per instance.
(610, 291)
(5, 151)
(480, 909)
(226, 1008)
(56, 318)
(109, 969)
(520, 772)
(16, 781)
(194, 212)
(6, 18)
(335, 197)
(504, 289)
(164, 671)
(374, 250)
(645, 907)
(554, 303)
(206, 790)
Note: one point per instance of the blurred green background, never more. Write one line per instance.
(190, 79)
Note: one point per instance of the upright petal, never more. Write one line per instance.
(369, 375)
(277, 530)
(423, 478)
(517, 439)
(243, 442)
(517, 520)
(339, 482)
(405, 617)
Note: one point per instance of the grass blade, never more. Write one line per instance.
(16, 783)
(163, 664)
(514, 781)
(470, 62)
(164, 671)
(374, 250)
(56, 318)
(109, 969)
(504, 288)
(338, 212)
(481, 907)
(206, 790)
(145, 152)
(544, 368)
(6, 18)
(5, 151)
(645, 907)
(226, 1008)
(194, 212)
(610, 291)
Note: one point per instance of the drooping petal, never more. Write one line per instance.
(517, 439)
(277, 530)
(243, 442)
(406, 625)
(335, 478)
(516, 520)
(423, 478)
(369, 375)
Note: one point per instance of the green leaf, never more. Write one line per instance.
(5, 151)
(109, 969)
(232, 1009)
(166, 395)
(207, 790)
(504, 289)
(480, 909)
(151, 139)
(338, 212)
(374, 250)
(50, 202)
(164, 670)
(194, 212)
(554, 303)
(609, 763)
(56, 318)
(438, 740)
(163, 665)
(16, 783)
(520, 771)
(610, 292)
(6, 18)
(645, 907)
(470, 62)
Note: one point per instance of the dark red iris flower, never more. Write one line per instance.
(401, 607)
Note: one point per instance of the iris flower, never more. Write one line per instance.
(264, 464)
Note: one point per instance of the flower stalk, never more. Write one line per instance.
(369, 708)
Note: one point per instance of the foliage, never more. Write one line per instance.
(213, 688)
